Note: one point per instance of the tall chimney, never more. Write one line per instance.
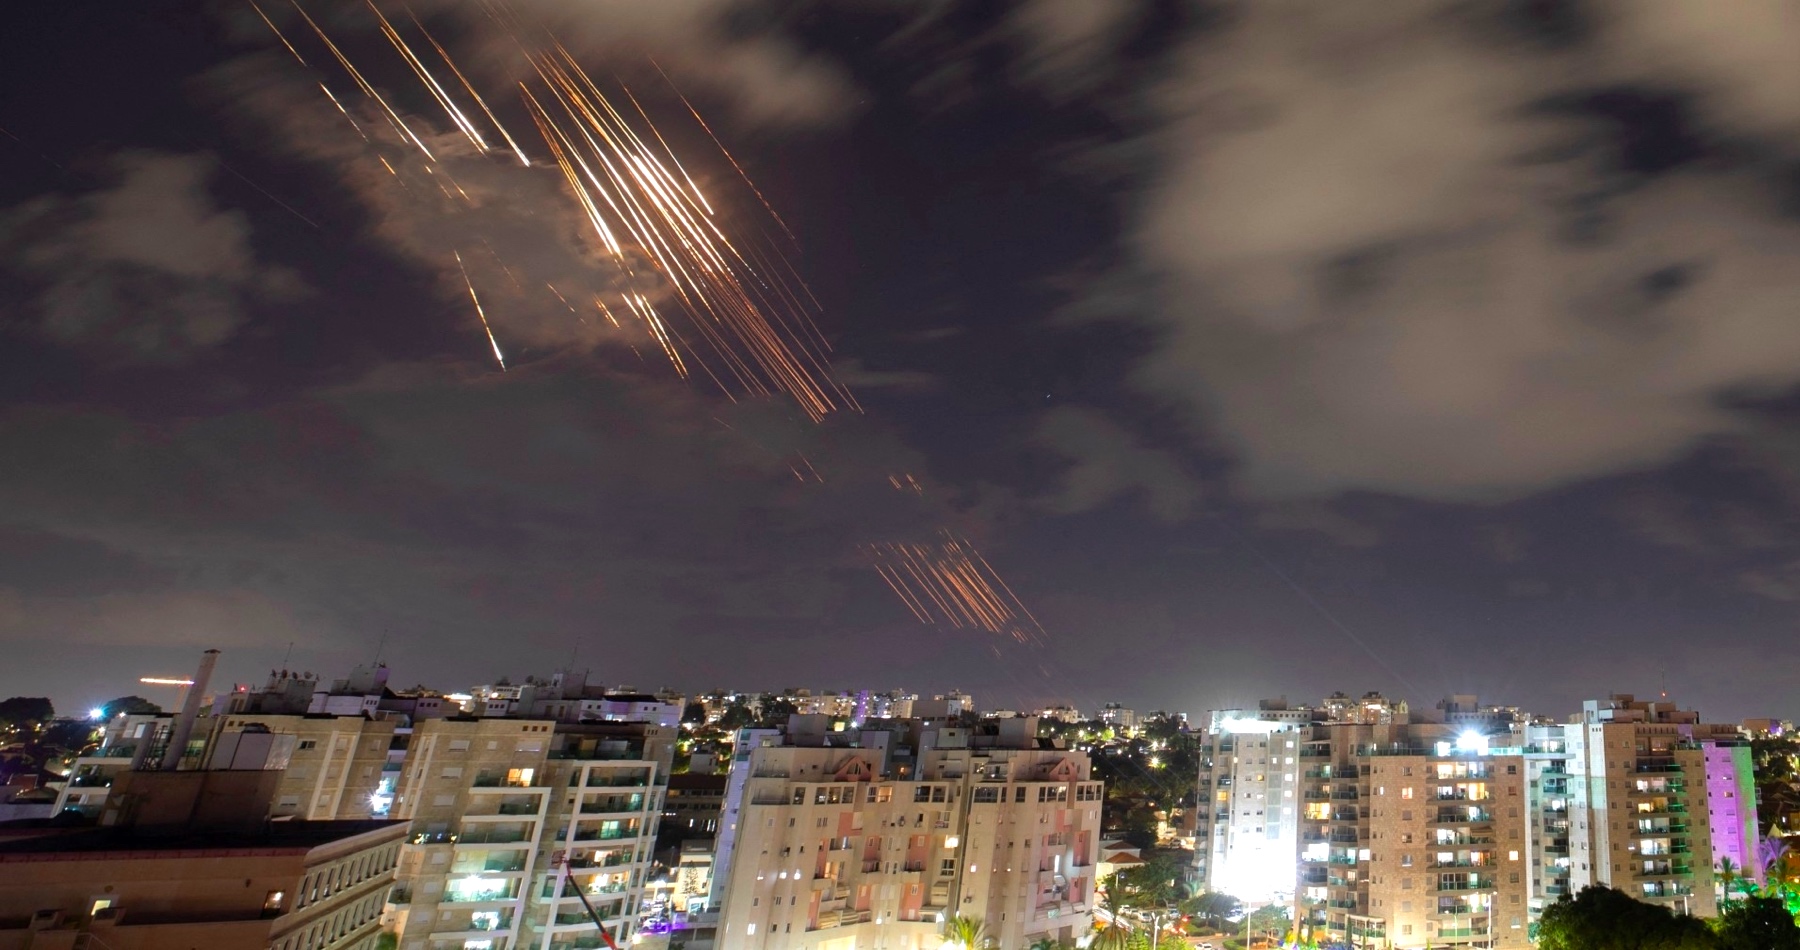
(190, 710)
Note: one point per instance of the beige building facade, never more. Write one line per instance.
(835, 850)
(510, 816)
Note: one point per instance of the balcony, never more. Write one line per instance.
(1463, 816)
(1470, 883)
(1464, 862)
(603, 780)
(1643, 767)
(500, 865)
(491, 836)
(489, 780)
(606, 834)
(601, 859)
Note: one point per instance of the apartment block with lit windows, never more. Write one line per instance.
(841, 845)
(1647, 783)
(1414, 835)
(511, 816)
(336, 770)
(1248, 806)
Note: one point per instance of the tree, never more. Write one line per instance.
(1757, 923)
(776, 710)
(694, 714)
(1213, 909)
(128, 706)
(26, 712)
(736, 715)
(1600, 918)
(1731, 881)
(1776, 759)
(967, 933)
(1270, 919)
(1151, 884)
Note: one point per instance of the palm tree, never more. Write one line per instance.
(1729, 876)
(965, 933)
(1047, 943)
(1112, 901)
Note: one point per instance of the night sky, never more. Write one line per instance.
(1263, 348)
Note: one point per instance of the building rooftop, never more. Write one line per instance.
(50, 839)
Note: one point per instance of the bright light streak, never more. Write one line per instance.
(950, 582)
(732, 311)
(480, 312)
(165, 681)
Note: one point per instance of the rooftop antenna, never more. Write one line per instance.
(288, 655)
(381, 645)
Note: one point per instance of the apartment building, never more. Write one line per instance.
(567, 696)
(125, 739)
(1247, 808)
(190, 858)
(839, 841)
(509, 817)
(1459, 825)
(339, 766)
(1648, 783)
(1413, 835)
(694, 804)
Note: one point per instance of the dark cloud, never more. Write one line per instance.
(1107, 462)
(451, 508)
(148, 266)
(1387, 262)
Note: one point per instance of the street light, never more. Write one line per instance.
(1158, 917)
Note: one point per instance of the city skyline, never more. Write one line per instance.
(1158, 356)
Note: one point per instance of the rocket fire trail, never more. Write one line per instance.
(721, 307)
(950, 582)
(480, 312)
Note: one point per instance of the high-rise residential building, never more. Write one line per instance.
(1457, 826)
(1413, 835)
(1643, 775)
(190, 858)
(339, 766)
(332, 766)
(125, 739)
(511, 816)
(1247, 807)
(838, 843)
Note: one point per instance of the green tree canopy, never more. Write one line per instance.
(967, 933)
(1600, 918)
(1213, 909)
(26, 712)
(128, 705)
(1757, 923)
